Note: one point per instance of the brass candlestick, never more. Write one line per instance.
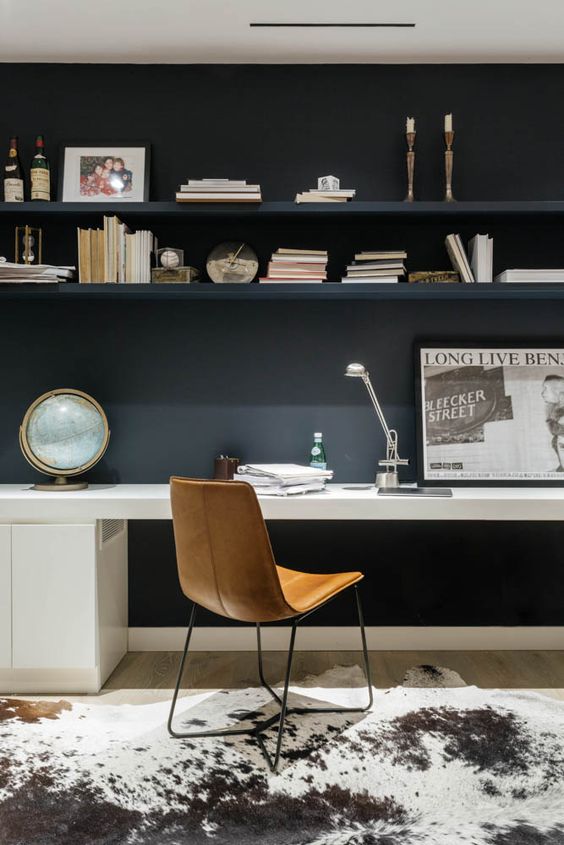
(410, 156)
(449, 164)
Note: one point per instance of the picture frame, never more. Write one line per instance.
(490, 414)
(104, 171)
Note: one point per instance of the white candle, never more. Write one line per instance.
(448, 122)
(410, 124)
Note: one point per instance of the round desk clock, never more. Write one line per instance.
(63, 434)
(232, 262)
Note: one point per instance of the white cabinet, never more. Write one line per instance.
(53, 596)
(63, 605)
(5, 597)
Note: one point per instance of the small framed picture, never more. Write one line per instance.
(489, 414)
(104, 172)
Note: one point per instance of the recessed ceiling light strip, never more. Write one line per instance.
(384, 25)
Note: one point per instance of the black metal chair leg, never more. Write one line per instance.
(195, 734)
(263, 681)
(273, 764)
(366, 672)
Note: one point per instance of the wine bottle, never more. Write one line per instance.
(13, 175)
(39, 172)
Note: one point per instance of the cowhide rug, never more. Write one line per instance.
(427, 765)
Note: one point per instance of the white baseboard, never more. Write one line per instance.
(348, 639)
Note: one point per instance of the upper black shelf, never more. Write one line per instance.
(285, 209)
(335, 292)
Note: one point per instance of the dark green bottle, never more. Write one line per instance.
(39, 173)
(317, 456)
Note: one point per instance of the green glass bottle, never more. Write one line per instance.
(317, 456)
(39, 173)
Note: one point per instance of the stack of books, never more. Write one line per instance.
(283, 479)
(218, 190)
(10, 273)
(528, 276)
(374, 266)
(315, 195)
(114, 254)
(297, 265)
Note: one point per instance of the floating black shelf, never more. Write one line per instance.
(65, 210)
(327, 291)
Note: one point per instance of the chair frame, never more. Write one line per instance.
(280, 717)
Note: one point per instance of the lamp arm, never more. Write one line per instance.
(391, 440)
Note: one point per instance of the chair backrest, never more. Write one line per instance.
(224, 556)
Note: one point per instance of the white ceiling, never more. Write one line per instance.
(217, 31)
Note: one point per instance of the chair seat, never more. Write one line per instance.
(305, 591)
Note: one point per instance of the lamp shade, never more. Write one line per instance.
(355, 370)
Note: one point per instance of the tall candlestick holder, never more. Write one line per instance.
(449, 165)
(410, 157)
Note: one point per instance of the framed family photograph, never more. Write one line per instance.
(490, 414)
(104, 172)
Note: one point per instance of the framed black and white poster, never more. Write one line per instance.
(104, 172)
(490, 415)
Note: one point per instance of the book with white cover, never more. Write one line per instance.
(363, 280)
(531, 276)
(480, 254)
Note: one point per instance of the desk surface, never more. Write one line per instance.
(18, 503)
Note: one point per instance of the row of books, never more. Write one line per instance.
(218, 190)
(297, 265)
(114, 254)
(385, 267)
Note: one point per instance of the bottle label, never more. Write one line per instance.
(315, 451)
(13, 190)
(318, 464)
(40, 184)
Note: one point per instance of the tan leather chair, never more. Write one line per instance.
(225, 564)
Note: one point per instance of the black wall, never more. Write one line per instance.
(183, 381)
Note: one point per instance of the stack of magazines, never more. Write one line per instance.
(34, 272)
(284, 479)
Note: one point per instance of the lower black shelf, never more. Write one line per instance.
(257, 292)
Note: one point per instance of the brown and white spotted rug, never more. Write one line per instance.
(439, 766)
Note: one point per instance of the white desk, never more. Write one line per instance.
(63, 564)
(18, 503)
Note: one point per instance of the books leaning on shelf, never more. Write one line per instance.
(376, 266)
(529, 276)
(114, 254)
(458, 257)
(297, 265)
(218, 190)
(480, 253)
(314, 195)
(26, 273)
(283, 479)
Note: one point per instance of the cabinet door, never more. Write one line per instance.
(53, 596)
(5, 597)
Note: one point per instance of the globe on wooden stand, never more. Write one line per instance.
(63, 434)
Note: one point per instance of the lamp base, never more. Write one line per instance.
(387, 479)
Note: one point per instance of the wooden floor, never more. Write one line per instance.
(538, 670)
